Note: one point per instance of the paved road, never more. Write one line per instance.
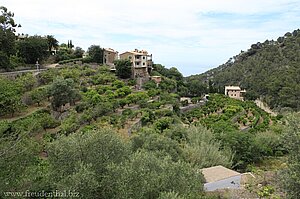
(30, 71)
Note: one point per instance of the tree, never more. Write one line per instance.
(123, 68)
(159, 144)
(70, 45)
(144, 175)
(10, 97)
(83, 181)
(32, 49)
(6, 20)
(27, 82)
(168, 85)
(202, 150)
(96, 53)
(38, 95)
(80, 160)
(18, 153)
(4, 60)
(62, 92)
(78, 52)
(52, 43)
(196, 88)
(173, 73)
(291, 175)
(7, 37)
(163, 123)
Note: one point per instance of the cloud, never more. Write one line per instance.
(186, 34)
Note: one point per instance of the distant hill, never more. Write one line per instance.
(270, 70)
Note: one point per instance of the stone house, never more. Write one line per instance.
(141, 62)
(109, 56)
(235, 92)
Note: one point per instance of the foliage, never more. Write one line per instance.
(168, 85)
(26, 81)
(265, 191)
(225, 116)
(34, 123)
(148, 176)
(96, 54)
(52, 43)
(62, 92)
(47, 76)
(17, 153)
(291, 175)
(78, 52)
(149, 85)
(269, 69)
(32, 49)
(158, 144)
(123, 68)
(163, 123)
(7, 37)
(10, 97)
(89, 153)
(65, 55)
(70, 124)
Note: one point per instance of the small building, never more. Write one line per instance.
(156, 79)
(109, 57)
(219, 177)
(235, 92)
(188, 99)
(85, 55)
(141, 62)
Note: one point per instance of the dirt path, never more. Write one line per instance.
(264, 107)
(51, 66)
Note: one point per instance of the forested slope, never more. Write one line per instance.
(269, 70)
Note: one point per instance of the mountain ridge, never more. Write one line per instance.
(267, 70)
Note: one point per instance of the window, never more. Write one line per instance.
(143, 63)
(137, 63)
(129, 57)
(144, 57)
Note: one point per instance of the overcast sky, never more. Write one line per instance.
(192, 35)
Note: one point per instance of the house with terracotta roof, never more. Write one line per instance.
(141, 62)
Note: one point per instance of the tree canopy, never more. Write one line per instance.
(7, 37)
(123, 68)
(96, 53)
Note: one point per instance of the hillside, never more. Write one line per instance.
(269, 70)
(82, 128)
(52, 114)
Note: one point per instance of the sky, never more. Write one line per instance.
(192, 35)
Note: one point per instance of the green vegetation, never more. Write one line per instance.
(269, 70)
(96, 54)
(240, 126)
(32, 49)
(85, 128)
(74, 137)
(291, 174)
(123, 68)
(90, 108)
(7, 37)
